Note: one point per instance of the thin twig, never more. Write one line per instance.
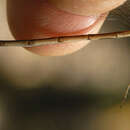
(125, 96)
(65, 39)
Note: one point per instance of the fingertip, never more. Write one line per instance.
(39, 19)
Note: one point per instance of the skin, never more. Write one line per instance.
(26, 20)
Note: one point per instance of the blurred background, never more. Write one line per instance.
(81, 91)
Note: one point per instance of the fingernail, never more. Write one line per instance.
(87, 7)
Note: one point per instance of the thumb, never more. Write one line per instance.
(36, 19)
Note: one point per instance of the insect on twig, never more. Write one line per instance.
(64, 39)
(125, 96)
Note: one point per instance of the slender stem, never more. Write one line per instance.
(64, 39)
(125, 96)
